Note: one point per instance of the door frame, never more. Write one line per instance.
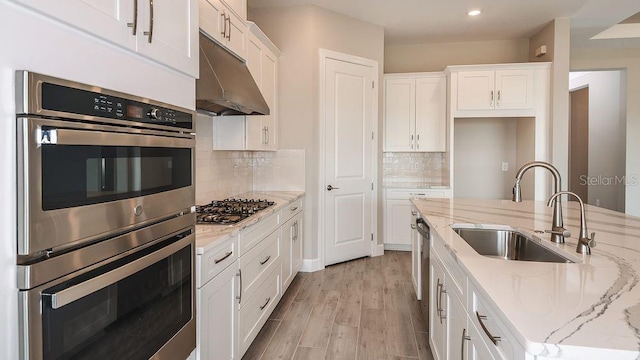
(324, 55)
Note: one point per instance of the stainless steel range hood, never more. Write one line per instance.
(225, 86)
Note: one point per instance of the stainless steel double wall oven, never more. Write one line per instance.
(105, 223)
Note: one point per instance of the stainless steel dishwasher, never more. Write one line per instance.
(425, 240)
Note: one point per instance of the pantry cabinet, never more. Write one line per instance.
(415, 112)
(225, 24)
(292, 231)
(165, 32)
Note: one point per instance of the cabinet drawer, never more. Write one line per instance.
(253, 235)
(489, 324)
(211, 263)
(290, 210)
(256, 264)
(258, 308)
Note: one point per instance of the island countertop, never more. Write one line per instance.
(584, 310)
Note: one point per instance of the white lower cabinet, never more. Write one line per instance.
(291, 242)
(241, 280)
(218, 315)
(398, 218)
(217, 282)
(463, 324)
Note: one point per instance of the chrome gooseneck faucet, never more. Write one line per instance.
(558, 232)
(584, 242)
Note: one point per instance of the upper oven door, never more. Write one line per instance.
(81, 182)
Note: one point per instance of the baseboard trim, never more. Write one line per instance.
(311, 265)
(397, 247)
(378, 250)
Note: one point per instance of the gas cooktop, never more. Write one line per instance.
(229, 211)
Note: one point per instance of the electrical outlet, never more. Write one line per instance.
(505, 166)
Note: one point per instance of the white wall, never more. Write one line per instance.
(628, 59)
(31, 42)
(299, 32)
(481, 145)
(607, 140)
(437, 56)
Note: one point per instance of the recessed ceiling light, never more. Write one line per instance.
(474, 12)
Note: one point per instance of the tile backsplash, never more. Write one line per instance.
(222, 174)
(415, 167)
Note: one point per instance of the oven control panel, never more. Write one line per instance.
(95, 104)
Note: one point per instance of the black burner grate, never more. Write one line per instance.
(229, 211)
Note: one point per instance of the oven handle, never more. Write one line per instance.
(76, 292)
(57, 136)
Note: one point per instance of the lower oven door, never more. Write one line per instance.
(140, 306)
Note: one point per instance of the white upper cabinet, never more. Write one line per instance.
(415, 112)
(166, 32)
(500, 89)
(224, 25)
(255, 132)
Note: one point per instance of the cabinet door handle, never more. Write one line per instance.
(494, 339)
(150, 32)
(293, 209)
(217, 261)
(134, 24)
(239, 297)
(229, 34)
(498, 102)
(265, 304)
(411, 142)
(267, 135)
(439, 288)
(224, 29)
(418, 142)
(295, 231)
(491, 102)
(464, 338)
(265, 260)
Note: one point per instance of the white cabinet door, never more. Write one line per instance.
(298, 239)
(255, 131)
(107, 19)
(211, 18)
(166, 32)
(269, 90)
(437, 306)
(430, 127)
(476, 90)
(224, 26)
(514, 89)
(398, 222)
(456, 327)
(399, 114)
(218, 317)
(291, 249)
(169, 33)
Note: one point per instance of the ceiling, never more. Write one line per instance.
(424, 21)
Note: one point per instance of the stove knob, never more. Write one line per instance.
(155, 114)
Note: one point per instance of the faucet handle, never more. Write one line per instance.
(592, 240)
(560, 231)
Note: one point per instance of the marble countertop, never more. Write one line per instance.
(208, 235)
(586, 310)
(413, 185)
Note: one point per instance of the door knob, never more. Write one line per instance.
(329, 187)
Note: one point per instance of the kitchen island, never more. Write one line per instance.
(589, 309)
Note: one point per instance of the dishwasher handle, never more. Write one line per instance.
(423, 228)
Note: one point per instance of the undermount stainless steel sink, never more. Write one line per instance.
(508, 245)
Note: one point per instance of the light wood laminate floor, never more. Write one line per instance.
(361, 309)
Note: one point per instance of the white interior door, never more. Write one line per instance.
(349, 109)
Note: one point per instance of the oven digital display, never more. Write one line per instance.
(134, 111)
